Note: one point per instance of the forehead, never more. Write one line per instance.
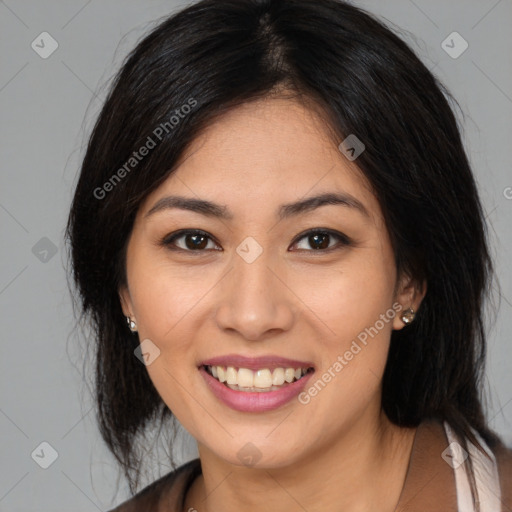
(264, 153)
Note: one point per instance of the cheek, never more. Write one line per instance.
(351, 297)
(165, 302)
(354, 359)
(355, 302)
(164, 294)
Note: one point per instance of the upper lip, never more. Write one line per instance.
(256, 363)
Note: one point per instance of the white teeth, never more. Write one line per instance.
(278, 377)
(245, 379)
(289, 374)
(262, 379)
(231, 375)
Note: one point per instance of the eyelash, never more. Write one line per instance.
(343, 240)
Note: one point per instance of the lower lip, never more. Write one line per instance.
(246, 401)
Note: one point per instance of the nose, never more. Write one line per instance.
(255, 300)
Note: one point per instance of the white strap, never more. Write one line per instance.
(486, 474)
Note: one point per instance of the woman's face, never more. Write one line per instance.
(257, 284)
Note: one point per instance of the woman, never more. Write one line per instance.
(278, 239)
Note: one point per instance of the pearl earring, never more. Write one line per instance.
(131, 324)
(408, 316)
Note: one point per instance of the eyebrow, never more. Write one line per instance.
(300, 207)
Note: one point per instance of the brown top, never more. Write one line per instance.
(430, 483)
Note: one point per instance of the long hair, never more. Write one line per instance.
(215, 55)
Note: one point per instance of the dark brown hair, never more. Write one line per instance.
(217, 54)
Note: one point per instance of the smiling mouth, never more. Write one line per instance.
(264, 380)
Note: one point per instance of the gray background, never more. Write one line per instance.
(47, 108)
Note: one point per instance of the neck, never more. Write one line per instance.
(346, 474)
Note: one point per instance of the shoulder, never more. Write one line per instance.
(503, 455)
(492, 466)
(169, 489)
(437, 477)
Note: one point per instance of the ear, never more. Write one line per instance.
(126, 301)
(409, 294)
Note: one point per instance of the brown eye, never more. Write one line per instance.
(196, 241)
(188, 241)
(320, 240)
